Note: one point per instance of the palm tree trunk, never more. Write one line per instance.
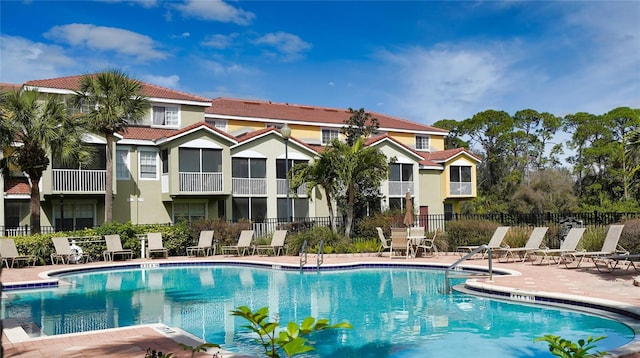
(108, 189)
(35, 205)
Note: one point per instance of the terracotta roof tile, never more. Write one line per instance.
(146, 133)
(444, 155)
(73, 82)
(285, 111)
(9, 86)
(17, 186)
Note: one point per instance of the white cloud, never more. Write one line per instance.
(215, 10)
(289, 46)
(183, 35)
(144, 3)
(24, 60)
(102, 38)
(219, 41)
(164, 81)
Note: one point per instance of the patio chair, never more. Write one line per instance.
(400, 247)
(64, 253)
(114, 248)
(277, 244)
(155, 245)
(243, 245)
(205, 245)
(428, 244)
(533, 243)
(568, 245)
(494, 243)
(609, 247)
(9, 252)
(384, 242)
(610, 263)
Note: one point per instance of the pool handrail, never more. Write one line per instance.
(303, 255)
(465, 257)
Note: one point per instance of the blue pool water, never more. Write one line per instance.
(395, 312)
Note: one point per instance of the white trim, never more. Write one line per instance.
(249, 153)
(201, 144)
(193, 130)
(93, 139)
(294, 156)
(403, 160)
(179, 101)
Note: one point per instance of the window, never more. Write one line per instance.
(123, 168)
(84, 108)
(400, 172)
(299, 208)
(422, 142)
(254, 209)
(75, 216)
(189, 212)
(460, 179)
(281, 168)
(148, 164)
(165, 116)
(328, 135)
(98, 159)
(220, 124)
(200, 160)
(164, 157)
(274, 125)
(249, 168)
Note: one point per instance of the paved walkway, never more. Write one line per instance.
(585, 284)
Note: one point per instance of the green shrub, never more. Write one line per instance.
(366, 227)
(630, 238)
(469, 232)
(518, 236)
(333, 243)
(224, 233)
(593, 238)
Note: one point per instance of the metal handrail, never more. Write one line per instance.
(320, 258)
(303, 255)
(465, 257)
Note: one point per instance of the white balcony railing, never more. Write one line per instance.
(79, 180)
(460, 188)
(200, 182)
(249, 186)
(400, 187)
(282, 188)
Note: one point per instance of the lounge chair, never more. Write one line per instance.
(400, 247)
(205, 245)
(609, 247)
(9, 252)
(568, 245)
(611, 262)
(64, 253)
(494, 243)
(277, 244)
(384, 242)
(428, 244)
(244, 244)
(114, 247)
(155, 245)
(533, 243)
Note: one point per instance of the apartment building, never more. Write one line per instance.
(194, 158)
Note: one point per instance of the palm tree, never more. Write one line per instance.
(115, 102)
(32, 129)
(360, 169)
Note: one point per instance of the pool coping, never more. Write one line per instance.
(624, 313)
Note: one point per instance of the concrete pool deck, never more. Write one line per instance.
(585, 285)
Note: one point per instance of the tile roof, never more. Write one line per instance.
(17, 186)
(154, 134)
(72, 83)
(292, 112)
(9, 86)
(443, 155)
(251, 135)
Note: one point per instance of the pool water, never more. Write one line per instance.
(395, 312)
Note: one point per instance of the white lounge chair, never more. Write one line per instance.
(277, 244)
(64, 253)
(114, 247)
(568, 245)
(243, 246)
(384, 242)
(609, 247)
(155, 245)
(205, 245)
(9, 252)
(494, 243)
(533, 243)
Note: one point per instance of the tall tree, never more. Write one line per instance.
(624, 120)
(34, 128)
(115, 102)
(360, 124)
(359, 169)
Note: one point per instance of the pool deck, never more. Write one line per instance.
(584, 284)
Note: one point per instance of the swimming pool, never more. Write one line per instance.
(395, 311)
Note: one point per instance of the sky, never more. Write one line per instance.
(419, 60)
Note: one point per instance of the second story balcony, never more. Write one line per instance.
(193, 182)
(460, 188)
(79, 180)
(282, 189)
(249, 186)
(400, 187)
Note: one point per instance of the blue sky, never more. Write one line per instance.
(419, 60)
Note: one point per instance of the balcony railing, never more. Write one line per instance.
(200, 182)
(400, 187)
(79, 180)
(282, 188)
(460, 188)
(249, 186)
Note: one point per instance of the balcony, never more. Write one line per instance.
(190, 182)
(79, 180)
(249, 186)
(282, 188)
(398, 188)
(460, 188)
